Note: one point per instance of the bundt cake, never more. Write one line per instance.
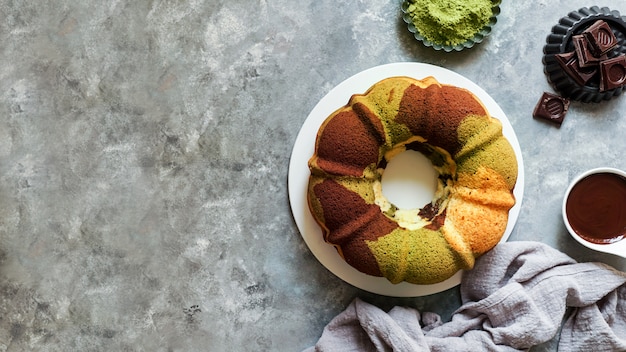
(477, 171)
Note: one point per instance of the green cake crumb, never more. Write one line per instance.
(449, 22)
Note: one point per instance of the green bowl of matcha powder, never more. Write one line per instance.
(450, 24)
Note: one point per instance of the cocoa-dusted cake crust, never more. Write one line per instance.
(350, 142)
(419, 105)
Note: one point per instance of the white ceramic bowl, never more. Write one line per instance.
(618, 247)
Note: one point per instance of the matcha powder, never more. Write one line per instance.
(449, 22)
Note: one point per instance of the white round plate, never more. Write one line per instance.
(304, 146)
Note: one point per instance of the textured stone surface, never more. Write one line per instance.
(144, 150)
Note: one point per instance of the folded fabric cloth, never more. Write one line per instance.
(520, 294)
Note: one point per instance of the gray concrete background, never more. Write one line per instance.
(144, 150)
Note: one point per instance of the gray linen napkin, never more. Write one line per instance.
(520, 294)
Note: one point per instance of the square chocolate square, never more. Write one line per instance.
(613, 73)
(600, 37)
(583, 51)
(551, 107)
(569, 64)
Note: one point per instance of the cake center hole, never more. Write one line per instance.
(409, 180)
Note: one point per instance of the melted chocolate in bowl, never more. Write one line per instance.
(596, 207)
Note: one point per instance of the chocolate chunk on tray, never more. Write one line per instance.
(570, 64)
(600, 37)
(586, 58)
(613, 73)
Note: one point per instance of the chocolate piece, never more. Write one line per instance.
(564, 58)
(569, 63)
(551, 107)
(613, 73)
(600, 37)
(583, 52)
